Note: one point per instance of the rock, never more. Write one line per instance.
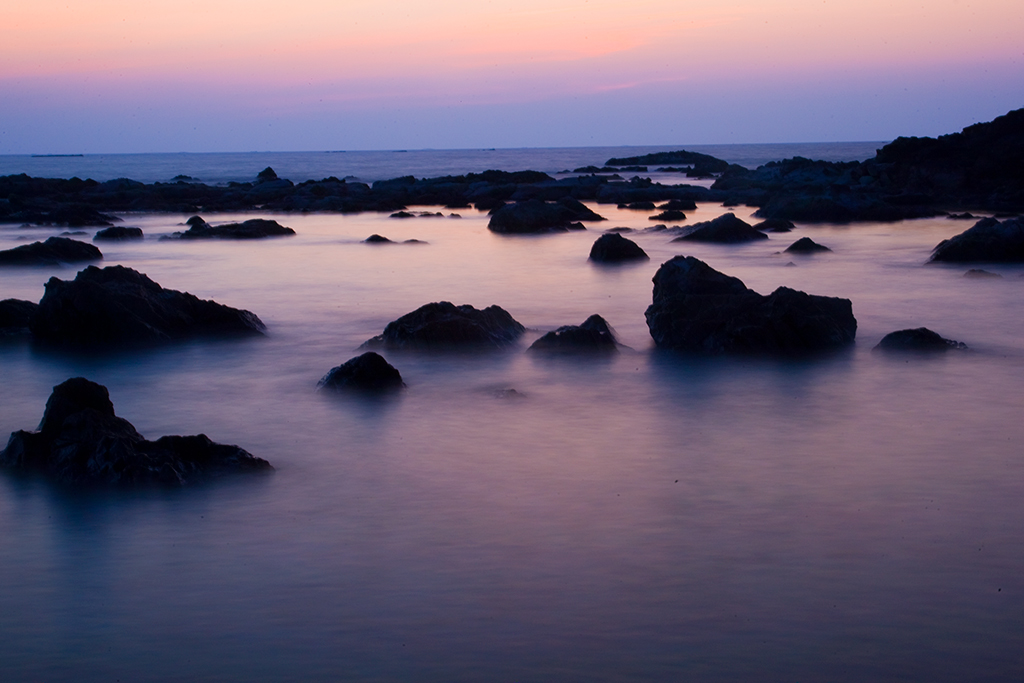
(118, 233)
(672, 216)
(266, 175)
(978, 273)
(535, 216)
(965, 216)
(81, 441)
(377, 239)
(53, 252)
(255, 228)
(442, 325)
(726, 229)
(402, 214)
(593, 335)
(15, 316)
(774, 225)
(698, 309)
(678, 205)
(638, 206)
(805, 245)
(614, 248)
(368, 372)
(989, 240)
(120, 306)
(919, 339)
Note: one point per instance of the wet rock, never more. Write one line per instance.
(53, 252)
(537, 216)
(726, 229)
(118, 233)
(255, 228)
(15, 316)
(377, 239)
(614, 248)
(671, 216)
(698, 309)
(805, 245)
(368, 372)
(81, 441)
(593, 335)
(442, 325)
(120, 306)
(774, 225)
(979, 274)
(988, 240)
(919, 339)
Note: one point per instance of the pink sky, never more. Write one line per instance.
(109, 75)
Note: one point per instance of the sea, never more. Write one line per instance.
(509, 516)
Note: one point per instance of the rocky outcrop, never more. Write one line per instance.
(15, 316)
(698, 309)
(614, 248)
(669, 216)
(726, 229)
(120, 306)
(775, 225)
(53, 252)
(593, 335)
(805, 245)
(81, 441)
(919, 339)
(368, 372)
(988, 241)
(118, 234)
(442, 325)
(678, 205)
(701, 165)
(253, 229)
(536, 216)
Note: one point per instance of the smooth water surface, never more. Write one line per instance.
(648, 516)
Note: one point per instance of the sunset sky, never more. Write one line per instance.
(232, 75)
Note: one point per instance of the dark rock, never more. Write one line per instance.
(255, 228)
(989, 240)
(702, 164)
(118, 233)
(919, 339)
(678, 205)
(402, 214)
(443, 325)
(672, 216)
(266, 175)
(15, 316)
(978, 273)
(54, 251)
(120, 306)
(774, 225)
(965, 216)
(638, 206)
(81, 441)
(368, 372)
(593, 335)
(726, 229)
(377, 239)
(614, 248)
(805, 245)
(536, 216)
(183, 177)
(698, 309)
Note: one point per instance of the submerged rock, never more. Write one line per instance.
(15, 316)
(368, 372)
(988, 240)
(979, 274)
(536, 216)
(678, 205)
(669, 216)
(118, 306)
(53, 252)
(80, 440)
(614, 248)
(775, 225)
(443, 325)
(726, 229)
(593, 335)
(118, 233)
(805, 245)
(255, 228)
(918, 339)
(698, 309)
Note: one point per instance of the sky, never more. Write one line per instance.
(96, 76)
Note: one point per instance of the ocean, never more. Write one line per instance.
(647, 516)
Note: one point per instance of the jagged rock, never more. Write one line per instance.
(805, 245)
(989, 240)
(402, 214)
(696, 308)
(443, 325)
(614, 248)
(774, 225)
(15, 316)
(81, 441)
(121, 306)
(118, 233)
(534, 215)
(726, 229)
(919, 339)
(266, 175)
(593, 335)
(255, 228)
(368, 372)
(53, 252)
(979, 274)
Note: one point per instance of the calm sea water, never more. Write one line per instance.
(644, 517)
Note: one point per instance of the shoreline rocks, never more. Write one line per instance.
(919, 339)
(368, 373)
(726, 229)
(15, 316)
(592, 335)
(442, 325)
(988, 240)
(537, 216)
(53, 252)
(805, 245)
(118, 233)
(252, 229)
(614, 248)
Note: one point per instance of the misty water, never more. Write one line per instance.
(645, 516)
